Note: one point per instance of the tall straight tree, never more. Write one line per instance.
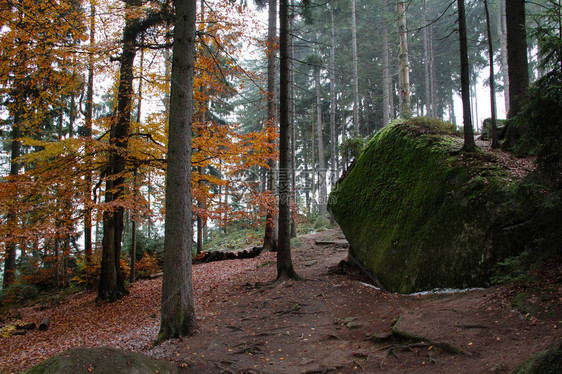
(355, 68)
(495, 141)
(178, 313)
(405, 110)
(518, 67)
(469, 144)
(387, 92)
(333, 135)
(270, 239)
(285, 268)
(88, 119)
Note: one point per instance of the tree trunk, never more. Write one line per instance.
(178, 313)
(427, 62)
(11, 219)
(518, 70)
(284, 262)
(495, 141)
(502, 31)
(112, 285)
(386, 76)
(333, 135)
(355, 68)
(405, 110)
(88, 123)
(322, 190)
(469, 144)
(270, 241)
(292, 112)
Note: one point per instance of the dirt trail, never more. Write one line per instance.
(248, 324)
(321, 325)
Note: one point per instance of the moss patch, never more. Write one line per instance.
(101, 361)
(420, 215)
(548, 361)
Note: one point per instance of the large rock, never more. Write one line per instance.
(101, 361)
(419, 215)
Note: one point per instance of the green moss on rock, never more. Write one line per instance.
(420, 215)
(101, 361)
(548, 361)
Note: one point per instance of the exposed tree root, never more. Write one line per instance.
(408, 340)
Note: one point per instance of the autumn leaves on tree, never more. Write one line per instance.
(78, 164)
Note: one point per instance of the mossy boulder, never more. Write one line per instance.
(419, 214)
(101, 361)
(548, 361)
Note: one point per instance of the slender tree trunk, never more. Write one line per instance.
(333, 135)
(356, 125)
(502, 31)
(469, 144)
(270, 241)
(11, 219)
(178, 313)
(386, 76)
(518, 69)
(432, 76)
(322, 192)
(284, 262)
(495, 141)
(292, 111)
(405, 111)
(88, 123)
(427, 62)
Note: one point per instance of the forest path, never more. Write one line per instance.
(248, 324)
(320, 325)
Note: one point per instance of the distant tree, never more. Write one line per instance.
(178, 314)
(469, 144)
(495, 141)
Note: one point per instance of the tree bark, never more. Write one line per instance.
(270, 241)
(284, 261)
(178, 313)
(469, 144)
(405, 110)
(518, 69)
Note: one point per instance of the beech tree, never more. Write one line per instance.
(178, 313)
(112, 284)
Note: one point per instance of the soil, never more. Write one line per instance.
(247, 323)
(324, 324)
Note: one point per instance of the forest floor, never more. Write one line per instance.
(249, 324)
